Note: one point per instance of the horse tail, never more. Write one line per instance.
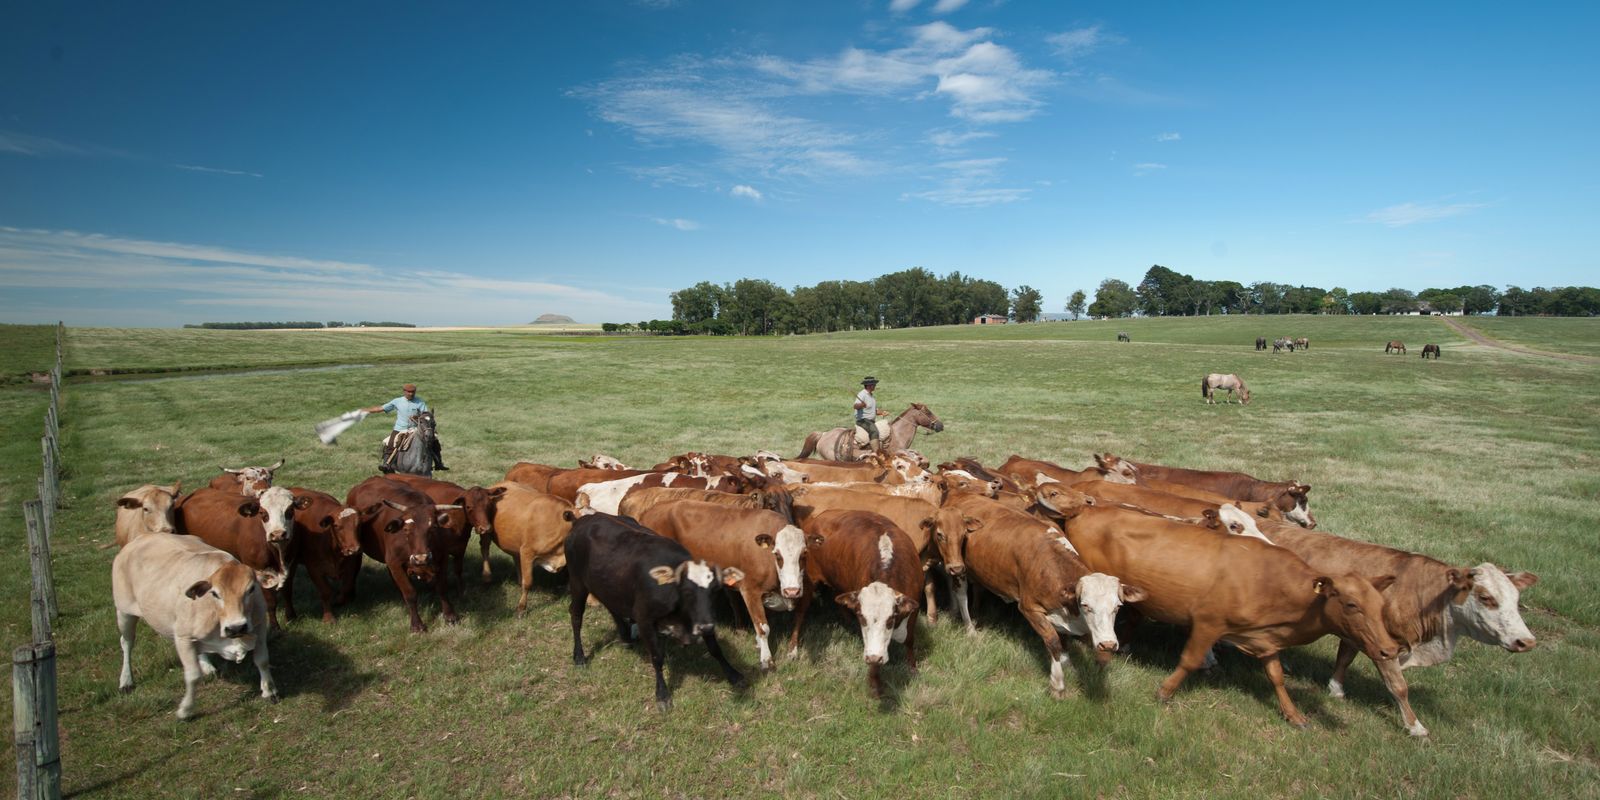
(1204, 385)
(810, 445)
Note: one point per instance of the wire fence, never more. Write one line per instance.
(33, 666)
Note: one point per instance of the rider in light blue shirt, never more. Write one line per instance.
(407, 405)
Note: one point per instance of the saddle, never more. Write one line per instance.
(861, 438)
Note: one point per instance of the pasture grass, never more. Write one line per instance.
(1486, 455)
(1553, 334)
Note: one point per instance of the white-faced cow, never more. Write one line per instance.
(258, 531)
(197, 597)
(647, 580)
(251, 481)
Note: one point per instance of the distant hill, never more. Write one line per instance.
(554, 319)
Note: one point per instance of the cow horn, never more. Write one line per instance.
(230, 471)
(274, 467)
(392, 504)
(452, 505)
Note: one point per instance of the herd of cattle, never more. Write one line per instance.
(1226, 555)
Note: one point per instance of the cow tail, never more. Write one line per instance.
(810, 445)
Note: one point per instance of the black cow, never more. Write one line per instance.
(648, 580)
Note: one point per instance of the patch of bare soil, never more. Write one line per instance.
(1488, 342)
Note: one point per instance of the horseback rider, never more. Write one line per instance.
(867, 412)
(406, 406)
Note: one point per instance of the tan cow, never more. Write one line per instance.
(1032, 564)
(530, 526)
(641, 499)
(937, 534)
(1256, 596)
(761, 544)
(147, 509)
(1186, 508)
(534, 475)
(197, 597)
(834, 471)
(1289, 497)
(1026, 471)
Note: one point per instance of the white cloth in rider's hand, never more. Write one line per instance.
(328, 430)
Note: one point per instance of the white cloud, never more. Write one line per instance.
(1411, 213)
(193, 168)
(947, 6)
(1147, 167)
(679, 223)
(902, 6)
(951, 140)
(968, 183)
(743, 190)
(23, 144)
(116, 281)
(1169, 137)
(1080, 42)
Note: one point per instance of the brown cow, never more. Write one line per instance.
(566, 483)
(1171, 505)
(1429, 605)
(256, 530)
(476, 512)
(1259, 597)
(147, 509)
(874, 569)
(1033, 565)
(324, 535)
(1025, 471)
(251, 481)
(395, 531)
(1289, 497)
(935, 533)
(775, 498)
(606, 496)
(531, 527)
(761, 544)
(972, 467)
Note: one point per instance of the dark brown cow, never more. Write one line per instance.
(476, 512)
(1033, 565)
(531, 527)
(250, 481)
(775, 498)
(874, 569)
(1429, 605)
(395, 529)
(1259, 597)
(937, 534)
(256, 530)
(324, 535)
(761, 544)
(1289, 497)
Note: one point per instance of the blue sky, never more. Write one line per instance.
(188, 162)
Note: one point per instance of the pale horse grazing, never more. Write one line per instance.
(1216, 380)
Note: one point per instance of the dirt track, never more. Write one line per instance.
(1486, 341)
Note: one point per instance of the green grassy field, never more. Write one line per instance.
(1555, 334)
(1484, 455)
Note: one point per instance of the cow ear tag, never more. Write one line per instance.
(663, 575)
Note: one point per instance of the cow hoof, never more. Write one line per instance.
(452, 620)
(664, 705)
(419, 628)
(273, 698)
(1336, 689)
(580, 661)
(739, 681)
(327, 619)
(1163, 696)
(125, 688)
(1417, 730)
(185, 714)
(1300, 723)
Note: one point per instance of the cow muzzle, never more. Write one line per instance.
(235, 630)
(792, 594)
(1522, 645)
(704, 628)
(956, 570)
(421, 560)
(877, 658)
(1104, 651)
(278, 536)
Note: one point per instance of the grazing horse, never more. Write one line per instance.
(839, 444)
(1302, 343)
(1261, 342)
(414, 454)
(1216, 380)
(1122, 336)
(1428, 348)
(1396, 346)
(1282, 343)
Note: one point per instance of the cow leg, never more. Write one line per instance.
(349, 570)
(911, 642)
(1052, 646)
(269, 690)
(958, 587)
(735, 677)
(409, 595)
(524, 579)
(580, 597)
(1393, 678)
(1275, 674)
(483, 547)
(758, 620)
(127, 626)
(441, 586)
(652, 645)
(288, 593)
(1194, 654)
(189, 656)
(624, 629)
(272, 608)
(800, 607)
(319, 579)
(733, 603)
(1341, 667)
(928, 599)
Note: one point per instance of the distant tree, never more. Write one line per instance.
(697, 303)
(1164, 292)
(910, 298)
(1399, 301)
(1441, 300)
(1114, 298)
(1477, 299)
(1077, 303)
(1303, 300)
(1025, 305)
(1366, 302)
(1337, 301)
(1266, 297)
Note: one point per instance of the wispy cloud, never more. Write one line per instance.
(1079, 42)
(1169, 137)
(947, 6)
(23, 144)
(193, 168)
(1405, 214)
(953, 140)
(743, 190)
(969, 183)
(902, 6)
(1147, 167)
(133, 281)
(679, 223)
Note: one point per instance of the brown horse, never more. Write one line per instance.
(1216, 380)
(1396, 346)
(1302, 343)
(1430, 348)
(839, 443)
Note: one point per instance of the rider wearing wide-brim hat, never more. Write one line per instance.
(867, 412)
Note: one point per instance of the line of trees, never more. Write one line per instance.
(267, 326)
(909, 298)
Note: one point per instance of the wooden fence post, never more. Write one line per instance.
(33, 694)
(43, 601)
